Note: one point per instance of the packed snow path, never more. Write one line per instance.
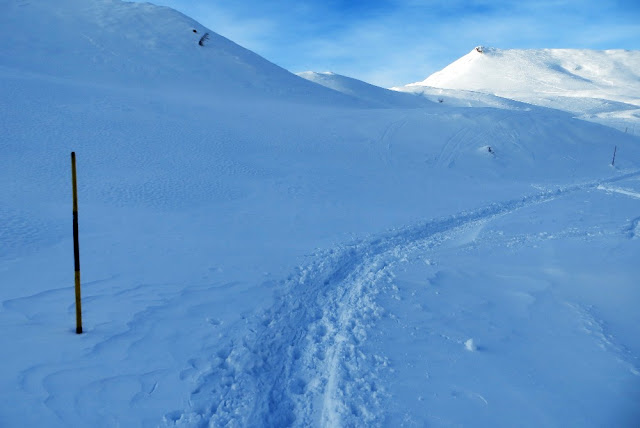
(302, 362)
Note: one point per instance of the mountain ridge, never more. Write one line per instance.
(116, 42)
(598, 85)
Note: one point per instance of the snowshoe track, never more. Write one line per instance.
(302, 358)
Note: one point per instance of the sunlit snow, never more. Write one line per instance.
(261, 250)
(599, 86)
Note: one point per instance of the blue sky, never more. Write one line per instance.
(395, 42)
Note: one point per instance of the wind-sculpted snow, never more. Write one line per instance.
(597, 328)
(207, 174)
(303, 362)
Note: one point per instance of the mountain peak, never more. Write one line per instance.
(610, 74)
(594, 84)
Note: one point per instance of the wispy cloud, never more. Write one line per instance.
(394, 42)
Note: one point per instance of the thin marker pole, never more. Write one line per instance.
(76, 246)
(613, 162)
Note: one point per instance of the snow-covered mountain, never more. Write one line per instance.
(117, 42)
(260, 250)
(603, 86)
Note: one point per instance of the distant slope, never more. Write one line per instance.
(117, 42)
(419, 97)
(366, 92)
(463, 98)
(524, 74)
(592, 84)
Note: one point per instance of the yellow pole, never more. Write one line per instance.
(76, 247)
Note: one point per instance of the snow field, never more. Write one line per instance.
(529, 302)
(209, 249)
(236, 269)
(329, 376)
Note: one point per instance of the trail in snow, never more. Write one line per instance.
(387, 140)
(303, 356)
(633, 231)
(625, 192)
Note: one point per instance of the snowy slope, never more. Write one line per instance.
(396, 97)
(368, 93)
(592, 84)
(119, 42)
(258, 250)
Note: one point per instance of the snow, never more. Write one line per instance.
(260, 250)
(423, 96)
(370, 94)
(470, 346)
(599, 86)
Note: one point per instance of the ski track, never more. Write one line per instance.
(466, 137)
(303, 356)
(390, 131)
